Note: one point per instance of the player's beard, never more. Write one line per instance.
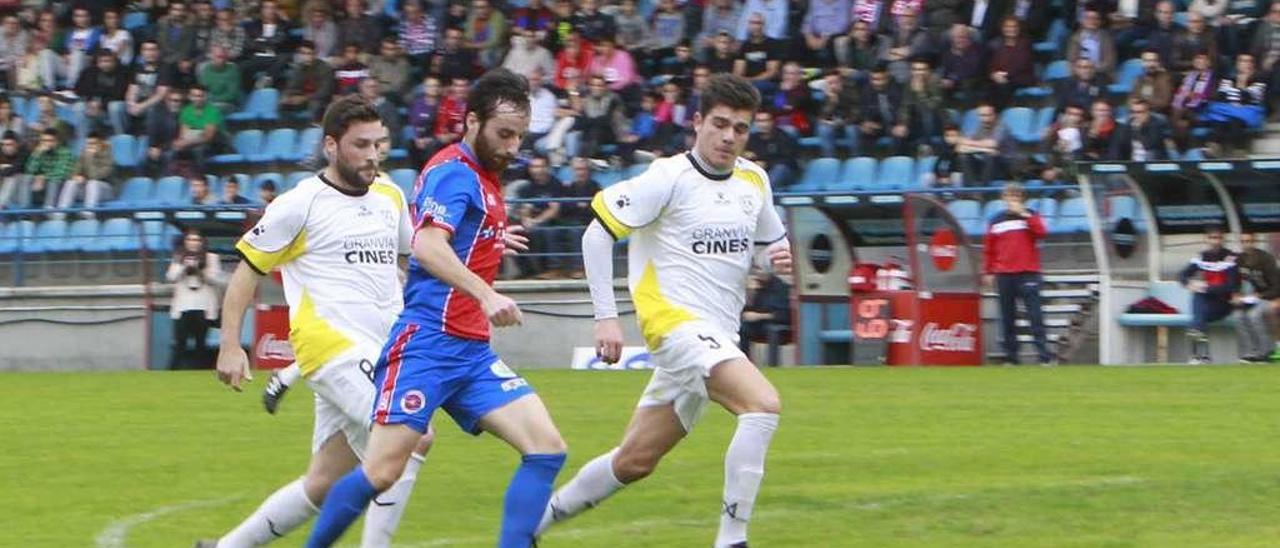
(490, 157)
(357, 177)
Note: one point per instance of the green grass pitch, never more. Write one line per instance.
(1072, 456)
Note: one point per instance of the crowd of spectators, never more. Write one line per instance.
(616, 82)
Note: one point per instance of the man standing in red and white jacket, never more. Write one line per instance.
(1011, 255)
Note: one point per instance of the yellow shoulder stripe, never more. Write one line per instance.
(266, 261)
(617, 228)
(389, 191)
(750, 177)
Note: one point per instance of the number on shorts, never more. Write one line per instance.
(711, 341)
(366, 367)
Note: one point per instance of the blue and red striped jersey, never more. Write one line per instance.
(454, 193)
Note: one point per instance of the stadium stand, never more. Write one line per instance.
(271, 133)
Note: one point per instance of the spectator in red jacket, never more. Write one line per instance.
(453, 111)
(1011, 257)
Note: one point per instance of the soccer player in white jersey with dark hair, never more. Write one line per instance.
(338, 238)
(696, 223)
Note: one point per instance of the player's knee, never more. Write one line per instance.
(550, 444)
(383, 474)
(632, 466)
(770, 402)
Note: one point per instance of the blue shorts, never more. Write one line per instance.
(419, 372)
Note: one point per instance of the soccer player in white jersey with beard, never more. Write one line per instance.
(338, 238)
(696, 223)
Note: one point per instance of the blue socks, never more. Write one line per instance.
(526, 500)
(346, 499)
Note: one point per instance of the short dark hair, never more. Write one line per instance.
(346, 111)
(731, 91)
(496, 87)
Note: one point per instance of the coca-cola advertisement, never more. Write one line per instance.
(271, 349)
(934, 329)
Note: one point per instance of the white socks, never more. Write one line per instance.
(594, 483)
(743, 471)
(289, 507)
(283, 511)
(290, 374)
(382, 518)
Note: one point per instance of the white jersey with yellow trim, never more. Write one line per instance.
(693, 235)
(339, 255)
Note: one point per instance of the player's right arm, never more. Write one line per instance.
(432, 250)
(447, 195)
(233, 363)
(597, 261)
(619, 209)
(277, 239)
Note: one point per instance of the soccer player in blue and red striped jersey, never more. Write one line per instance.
(439, 353)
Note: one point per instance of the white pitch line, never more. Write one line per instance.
(116, 532)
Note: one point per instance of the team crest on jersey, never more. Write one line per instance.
(413, 401)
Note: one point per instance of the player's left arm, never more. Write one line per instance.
(773, 250)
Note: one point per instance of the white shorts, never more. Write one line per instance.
(344, 397)
(682, 364)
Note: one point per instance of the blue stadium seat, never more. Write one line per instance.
(565, 174)
(256, 182)
(246, 142)
(134, 20)
(136, 191)
(969, 123)
(857, 173)
(609, 177)
(280, 144)
(261, 104)
(405, 179)
(820, 174)
(172, 190)
(308, 140)
(17, 235)
(1057, 70)
(1072, 217)
(968, 214)
(990, 209)
(159, 236)
(1055, 39)
(291, 180)
(1048, 210)
(115, 235)
(1044, 119)
(923, 166)
(896, 172)
(1021, 121)
(80, 234)
(1121, 207)
(1126, 75)
(49, 236)
(124, 150)
(635, 170)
